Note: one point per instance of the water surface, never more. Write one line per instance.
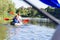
(30, 32)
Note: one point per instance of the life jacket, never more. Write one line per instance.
(15, 20)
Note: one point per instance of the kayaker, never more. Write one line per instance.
(17, 20)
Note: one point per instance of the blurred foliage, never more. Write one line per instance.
(6, 6)
(28, 12)
(54, 11)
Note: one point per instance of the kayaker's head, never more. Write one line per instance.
(18, 13)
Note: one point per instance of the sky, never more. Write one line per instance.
(20, 3)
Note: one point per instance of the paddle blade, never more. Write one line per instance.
(6, 19)
(12, 13)
(25, 21)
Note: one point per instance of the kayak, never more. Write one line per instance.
(25, 21)
(16, 24)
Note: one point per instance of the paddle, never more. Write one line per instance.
(6, 19)
(25, 21)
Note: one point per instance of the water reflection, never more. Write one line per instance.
(46, 23)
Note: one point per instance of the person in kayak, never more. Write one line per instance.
(17, 20)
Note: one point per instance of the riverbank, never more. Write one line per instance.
(3, 32)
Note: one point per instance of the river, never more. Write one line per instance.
(29, 32)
